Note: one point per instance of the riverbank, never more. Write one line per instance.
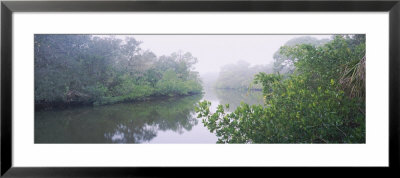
(59, 105)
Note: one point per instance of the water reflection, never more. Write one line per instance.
(167, 120)
(232, 97)
(119, 123)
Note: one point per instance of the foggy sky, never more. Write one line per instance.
(214, 51)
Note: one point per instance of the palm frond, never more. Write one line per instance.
(353, 78)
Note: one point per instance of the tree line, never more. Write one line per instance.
(240, 75)
(97, 70)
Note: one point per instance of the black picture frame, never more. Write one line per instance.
(8, 7)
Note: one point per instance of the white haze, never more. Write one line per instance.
(215, 51)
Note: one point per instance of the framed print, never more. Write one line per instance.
(113, 88)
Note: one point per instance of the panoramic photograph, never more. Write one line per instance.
(199, 89)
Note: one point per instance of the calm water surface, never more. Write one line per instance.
(169, 120)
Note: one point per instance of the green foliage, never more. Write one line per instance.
(322, 63)
(97, 91)
(308, 106)
(285, 64)
(171, 84)
(102, 70)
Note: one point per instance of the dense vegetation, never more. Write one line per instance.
(284, 64)
(239, 76)
(321, 101)
(86, 69)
